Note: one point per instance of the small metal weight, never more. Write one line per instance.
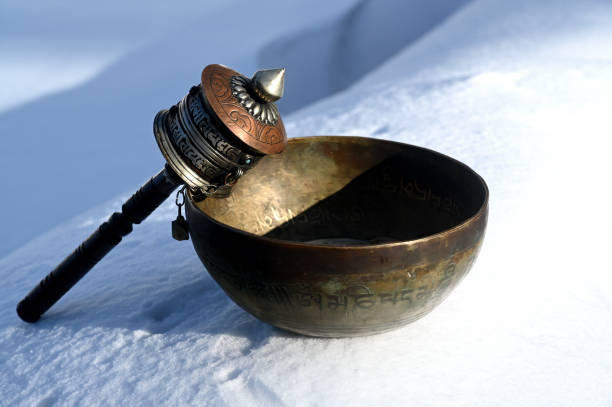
(216, 133)
(180, 228)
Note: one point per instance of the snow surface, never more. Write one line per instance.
(520, 91)
(90, 142)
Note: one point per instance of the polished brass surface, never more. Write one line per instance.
(343, 236)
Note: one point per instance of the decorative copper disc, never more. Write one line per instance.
(216, 85)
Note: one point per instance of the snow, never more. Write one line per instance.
(101, 131)
(519, 91)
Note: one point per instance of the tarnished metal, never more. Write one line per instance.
(343, 236)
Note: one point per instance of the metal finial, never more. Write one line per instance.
(269, 84)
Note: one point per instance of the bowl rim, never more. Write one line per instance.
(482, 210)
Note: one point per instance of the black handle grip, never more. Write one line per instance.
(91, 251)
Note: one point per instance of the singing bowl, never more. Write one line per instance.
(343, 236)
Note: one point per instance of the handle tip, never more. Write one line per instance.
(25, 313)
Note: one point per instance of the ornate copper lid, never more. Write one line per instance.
(245, 106)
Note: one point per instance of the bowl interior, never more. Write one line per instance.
(350, 191)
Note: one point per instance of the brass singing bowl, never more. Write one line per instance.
(343, 236)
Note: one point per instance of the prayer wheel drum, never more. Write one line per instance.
(343, 236)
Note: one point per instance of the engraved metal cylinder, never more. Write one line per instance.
(207, 158)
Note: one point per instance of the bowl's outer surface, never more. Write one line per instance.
(332, 291)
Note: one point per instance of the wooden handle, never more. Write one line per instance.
(95, 247)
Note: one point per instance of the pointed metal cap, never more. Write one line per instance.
(269, 84)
